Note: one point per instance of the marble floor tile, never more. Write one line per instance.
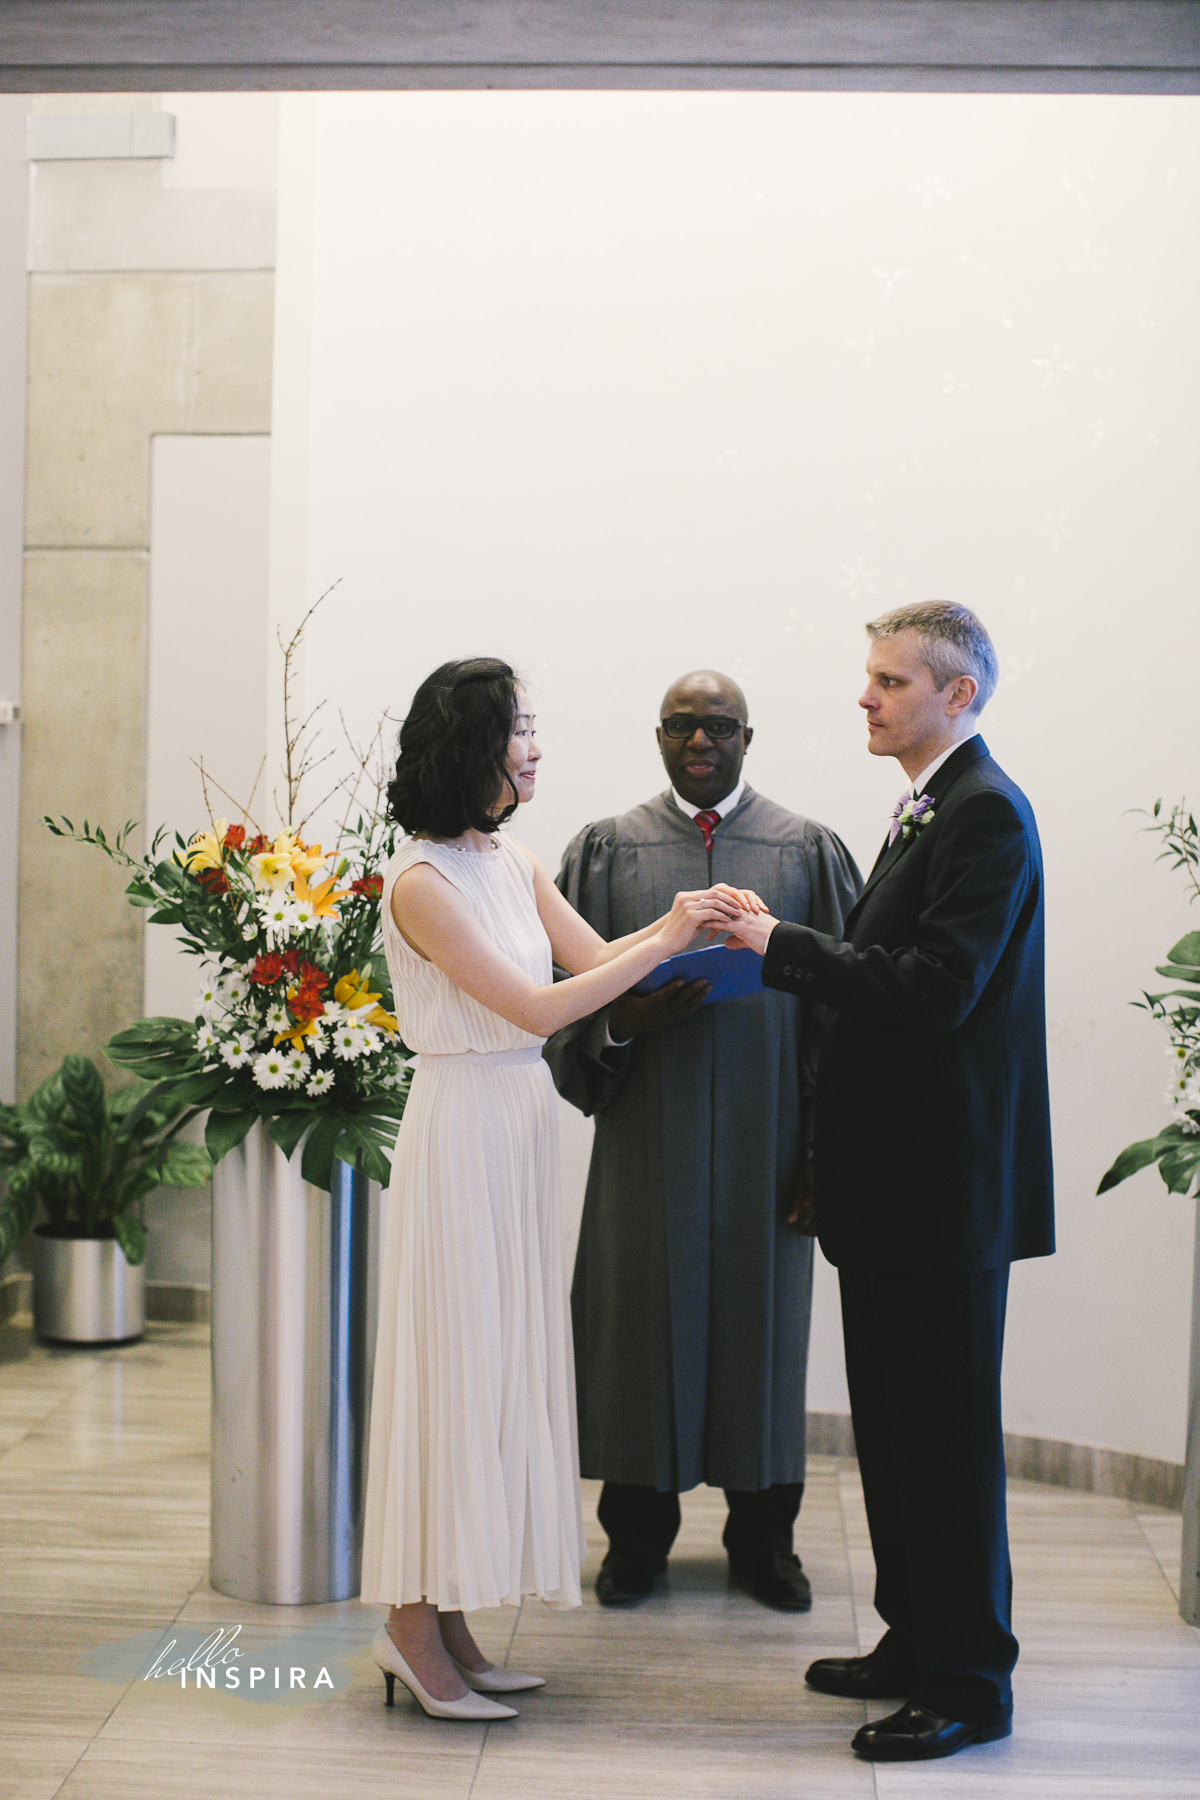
(698, 1694)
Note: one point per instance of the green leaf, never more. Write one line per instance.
(16, 1219)
(1187, 950)
(85, 1092)
(1178, 1166)
(316, 1164)
(185, 1165)
(1132, 1158)
(225, 1130)
(286, 1129)
(132, 1235)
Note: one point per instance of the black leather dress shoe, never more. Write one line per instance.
(775, 1577)
(914, 1734)
(625, 1577)
(860, 1677)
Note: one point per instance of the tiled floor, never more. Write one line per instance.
(103, 1496)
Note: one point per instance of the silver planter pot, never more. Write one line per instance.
(293, 1339)
(84, 1291)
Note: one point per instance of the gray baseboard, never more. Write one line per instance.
(174, 1301)
(1115, 1474)
(178, 1301)
(16, 1295)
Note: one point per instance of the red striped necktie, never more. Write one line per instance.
(708, 820)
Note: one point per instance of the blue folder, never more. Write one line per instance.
(731, 973)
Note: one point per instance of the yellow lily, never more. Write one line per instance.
(296, 1035)
(305, 859)
(321, 898)
(351, 991)
(271, 870)
(384, 1020)
(205, 849)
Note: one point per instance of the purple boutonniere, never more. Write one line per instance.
(914, 815)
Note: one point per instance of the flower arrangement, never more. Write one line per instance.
(293, 1022)
(1176, 1149)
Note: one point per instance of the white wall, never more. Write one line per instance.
(14, 219)
(615, 385)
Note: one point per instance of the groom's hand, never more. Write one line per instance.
(750, 931)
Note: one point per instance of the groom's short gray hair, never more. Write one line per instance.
(953, 643)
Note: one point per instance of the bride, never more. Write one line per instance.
(473, 1481)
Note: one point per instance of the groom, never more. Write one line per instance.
(932, 1173)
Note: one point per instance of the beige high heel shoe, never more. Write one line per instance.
(467, 1706)
(497, 1681)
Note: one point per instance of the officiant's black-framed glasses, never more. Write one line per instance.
(681, 726)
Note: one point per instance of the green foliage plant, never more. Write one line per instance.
(91, 1158)
(1176, 1148)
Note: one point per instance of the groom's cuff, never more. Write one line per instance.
(793, 959)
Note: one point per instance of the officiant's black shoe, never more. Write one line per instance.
(625, 1577)
(914, 1734)
(861, 1677)
(775, 1577)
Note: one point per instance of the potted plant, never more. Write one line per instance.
(89, 1159)
(1176, 1150)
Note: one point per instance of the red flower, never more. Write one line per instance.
(257, 845)
(369, 885)
(267, 969)
(312, 977)
(291, 961)
(235, 837)
(305, 1005)
(214, 880)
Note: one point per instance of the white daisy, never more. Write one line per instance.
(320, 1083)
(277, 1018)
(237, 1050)
(297, 1066)
(206, 1038)
(271, 1069)
(278, 915)
(304, 915)
(349, 1042)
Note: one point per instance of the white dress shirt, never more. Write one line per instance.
(935, 765)
(720, 808)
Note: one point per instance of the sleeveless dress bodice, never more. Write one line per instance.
(435, 1017)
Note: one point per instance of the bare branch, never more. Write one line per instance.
(206, 778)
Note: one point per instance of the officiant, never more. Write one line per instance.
(693, 1281)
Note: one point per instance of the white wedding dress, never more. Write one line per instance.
(473, 1477)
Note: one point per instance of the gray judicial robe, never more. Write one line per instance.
(692, 1293)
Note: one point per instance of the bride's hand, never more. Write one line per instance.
(711, 910)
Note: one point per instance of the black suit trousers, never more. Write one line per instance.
(923, 1356)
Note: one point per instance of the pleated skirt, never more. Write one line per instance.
(473, 1472)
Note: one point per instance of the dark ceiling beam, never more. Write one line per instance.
(1090, 46)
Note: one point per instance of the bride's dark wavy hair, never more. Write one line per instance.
(454, 750)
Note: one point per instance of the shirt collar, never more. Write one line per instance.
(721, 808)
(927, 775)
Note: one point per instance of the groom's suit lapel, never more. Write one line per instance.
(939, 783)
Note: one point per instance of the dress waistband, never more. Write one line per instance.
(529, 1053)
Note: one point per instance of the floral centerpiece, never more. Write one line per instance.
(292, 1022)
(1176, 1148)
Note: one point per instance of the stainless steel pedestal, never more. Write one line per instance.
(1189, 1583)
(293, 1338)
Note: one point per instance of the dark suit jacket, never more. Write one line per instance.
(932, 1116)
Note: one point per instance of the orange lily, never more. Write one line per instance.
(321, 898)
